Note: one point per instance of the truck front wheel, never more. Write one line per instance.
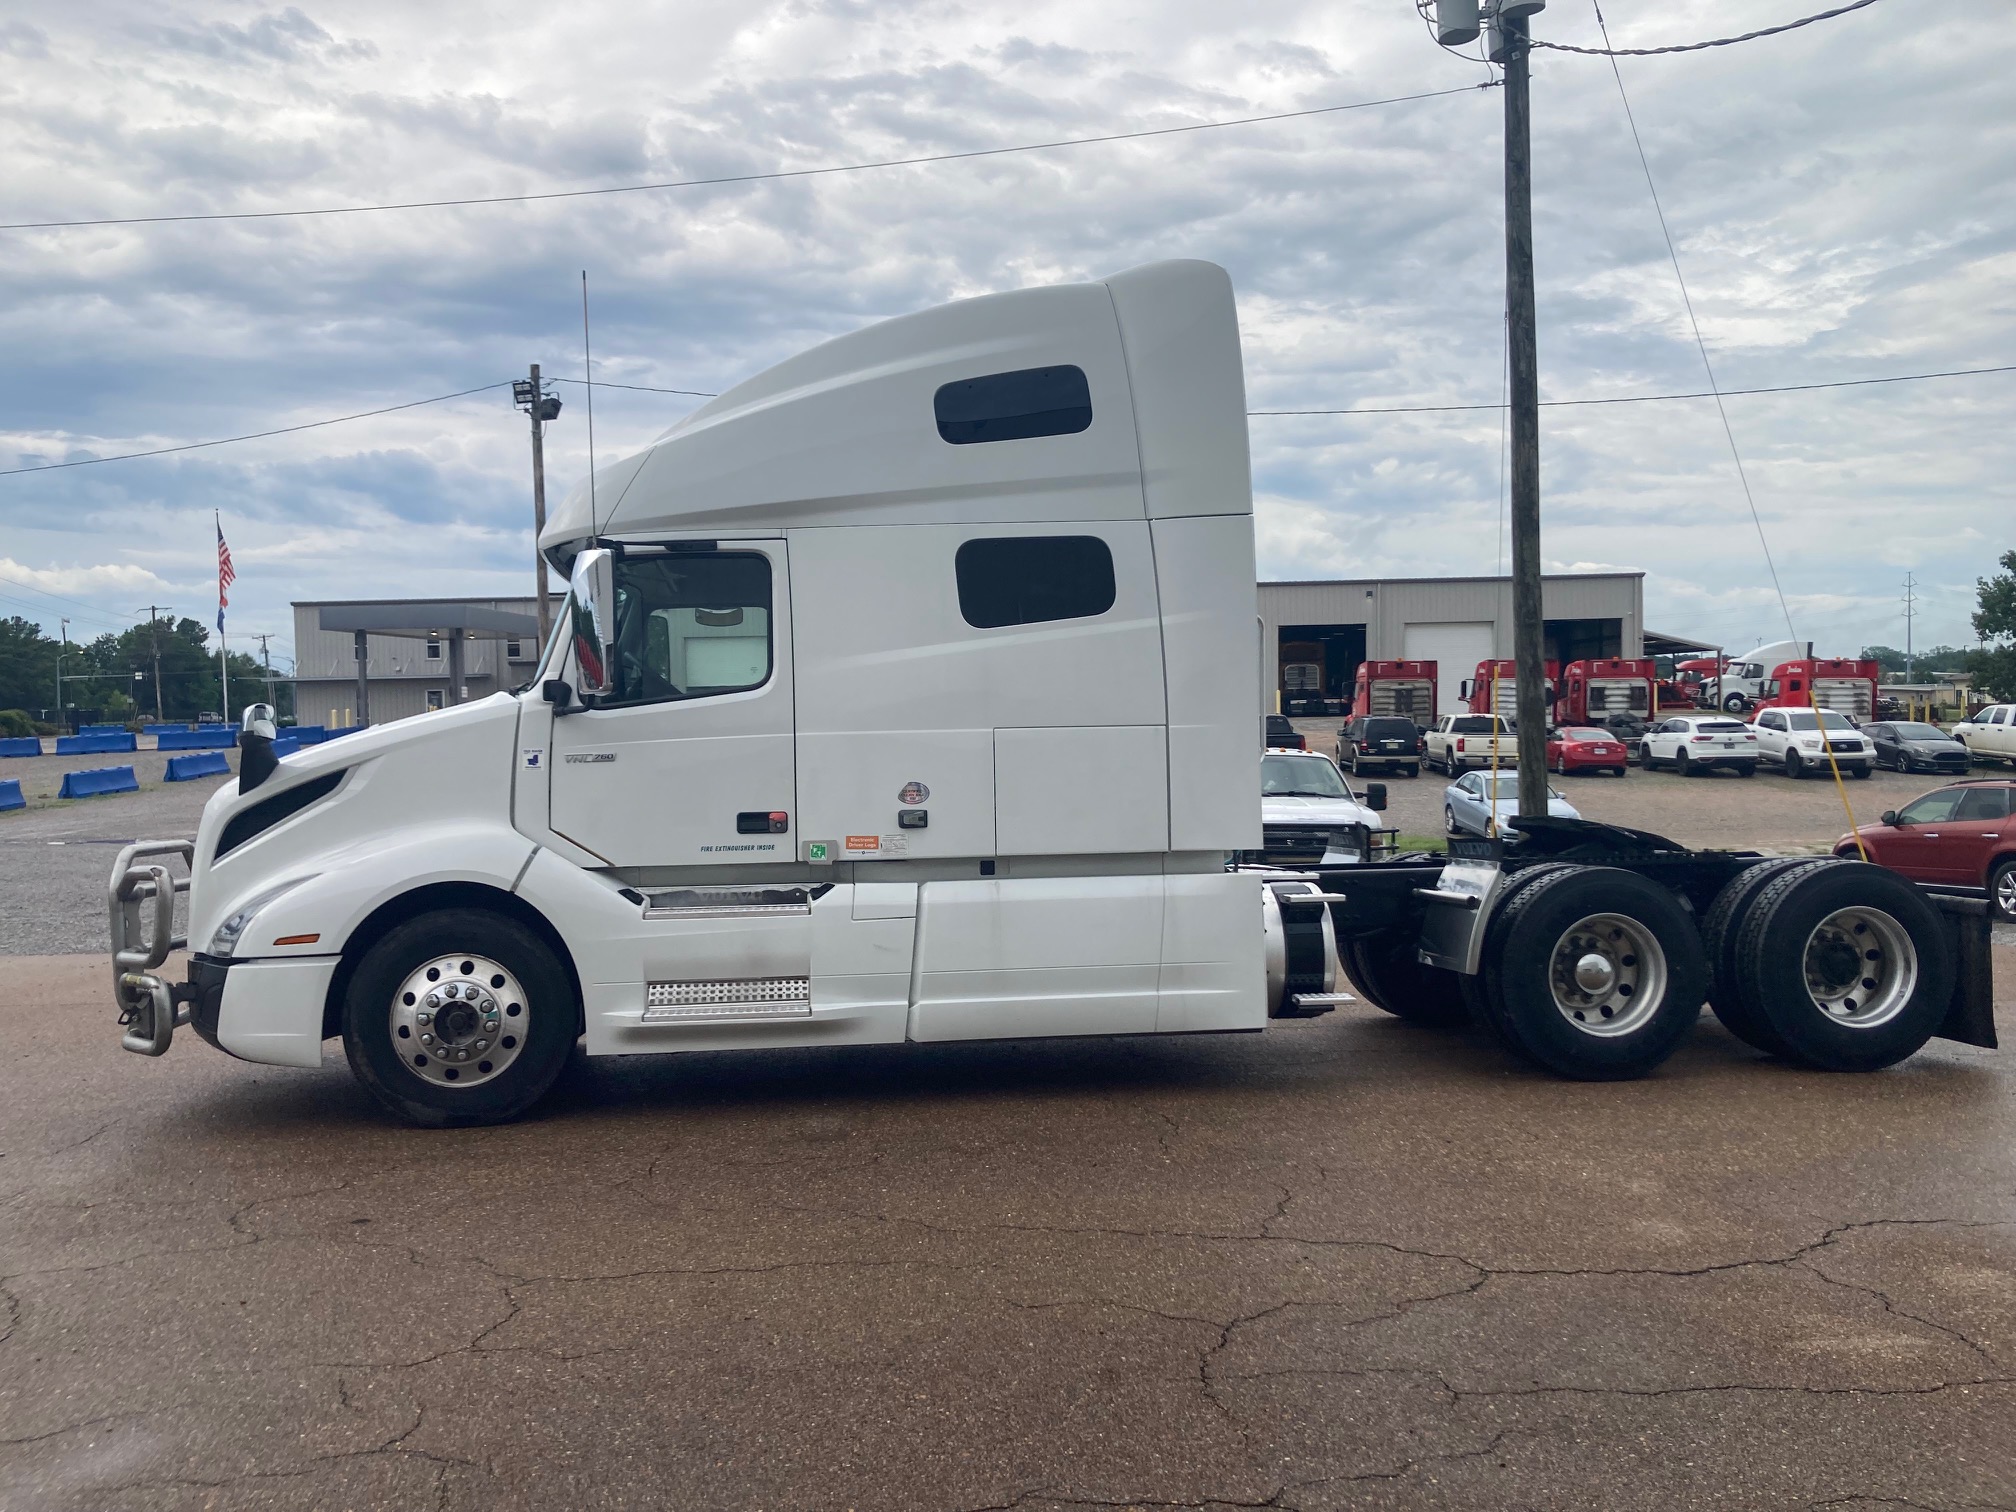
(459, 1017)
(1594, 972)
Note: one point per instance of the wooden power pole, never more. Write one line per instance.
(539, 505)
(1528, 623)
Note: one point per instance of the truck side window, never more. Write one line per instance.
(690, 625)
(1018, 406)
(1026, 580)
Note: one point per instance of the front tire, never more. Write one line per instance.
(1594, 972)
(1795, 765)
(459, 1017)
(1736, 703)
(1449, 823)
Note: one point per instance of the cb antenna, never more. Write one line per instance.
(588, 369)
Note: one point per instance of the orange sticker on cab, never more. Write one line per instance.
(864, 842)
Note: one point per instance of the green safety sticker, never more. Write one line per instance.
(815, 850)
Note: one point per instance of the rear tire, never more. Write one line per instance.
(1847, 963)
(523, 1019)
(1593, 972)
(1746, 769)
(1388, 975)
(1733, 1006)
(1683, 763)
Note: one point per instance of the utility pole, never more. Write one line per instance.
(62, 646)
(1910, 614)
(154, 634)
(1528, 624)
(530, 395)
(1457, 22)
(266, 657)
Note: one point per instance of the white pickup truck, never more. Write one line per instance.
(909, 691)
(1990, 734)
(1802, 742)
(1462, 741)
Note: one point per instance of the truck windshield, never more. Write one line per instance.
(1803, 719)
(1301, 777)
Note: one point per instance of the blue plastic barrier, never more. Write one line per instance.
(102, 729)
(207, 738)
(97, 780)
(20, 745)
(10, 794)
(197, 764)
(99, 742)
(306, 734)
(286, 745)
(164, 729)
(351, 730)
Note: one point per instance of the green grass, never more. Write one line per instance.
(1423, 843)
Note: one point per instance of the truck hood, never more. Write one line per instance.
(1284, 809)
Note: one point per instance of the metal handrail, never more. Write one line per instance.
(145, 1001)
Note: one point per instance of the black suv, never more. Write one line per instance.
(1379, 743)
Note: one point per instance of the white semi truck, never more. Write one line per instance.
(908, 692)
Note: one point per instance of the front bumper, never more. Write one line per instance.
(149, 1007)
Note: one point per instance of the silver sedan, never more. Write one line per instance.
(1481, 803)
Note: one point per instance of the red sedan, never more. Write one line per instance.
(1581, 748)
(1958, 836)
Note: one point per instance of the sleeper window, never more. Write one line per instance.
(1026, 580)
(691, 624)
(1018, 406)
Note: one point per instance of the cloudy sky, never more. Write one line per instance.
(1843, 198)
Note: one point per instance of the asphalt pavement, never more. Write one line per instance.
(1342, 1264)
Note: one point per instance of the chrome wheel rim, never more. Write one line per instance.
(459, 1021)
(2005, 892)
(1608, 975)
(1860, 967)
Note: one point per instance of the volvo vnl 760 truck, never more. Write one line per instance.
(908, 692)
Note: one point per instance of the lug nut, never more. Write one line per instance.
(426, 1039)
(482, 1044)
(426, 1018)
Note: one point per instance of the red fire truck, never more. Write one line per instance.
(1405, 689)
(1477, 692)
(1839, 683)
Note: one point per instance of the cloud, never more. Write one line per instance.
(1840, 210)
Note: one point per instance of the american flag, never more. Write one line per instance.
(225, 576)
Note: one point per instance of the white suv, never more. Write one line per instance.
(1693, 743)
(1992, 732)
(1799, 740)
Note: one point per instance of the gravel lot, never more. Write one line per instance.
(56, 855)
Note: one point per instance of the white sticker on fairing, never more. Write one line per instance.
(535, 758)
(895, 845)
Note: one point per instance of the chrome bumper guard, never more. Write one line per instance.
(149, 1007)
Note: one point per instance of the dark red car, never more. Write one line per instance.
(1958, 836)
(1584, 748)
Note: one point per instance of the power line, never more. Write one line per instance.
(1396, 409)
(642, 388)
(1782, 388)
(1607, 51)
(1686, 299)
(284, 430)
(738, 178)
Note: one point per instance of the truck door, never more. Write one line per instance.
(690, 760)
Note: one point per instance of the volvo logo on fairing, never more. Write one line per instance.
(575, 756)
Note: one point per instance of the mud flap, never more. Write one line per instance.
(1970, 1016)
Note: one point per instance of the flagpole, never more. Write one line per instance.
(223, 657)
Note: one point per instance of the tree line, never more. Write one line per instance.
(116, 673)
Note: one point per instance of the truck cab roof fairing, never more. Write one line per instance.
(845, 434)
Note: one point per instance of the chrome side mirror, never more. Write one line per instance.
(591, 607)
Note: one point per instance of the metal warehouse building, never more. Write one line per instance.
(1316, 633)
(366, 661)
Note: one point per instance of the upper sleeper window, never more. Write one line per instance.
(1049, 401)
(1025, 580)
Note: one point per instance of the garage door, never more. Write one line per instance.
(1455, 647)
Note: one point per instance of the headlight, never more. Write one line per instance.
(225, 941)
